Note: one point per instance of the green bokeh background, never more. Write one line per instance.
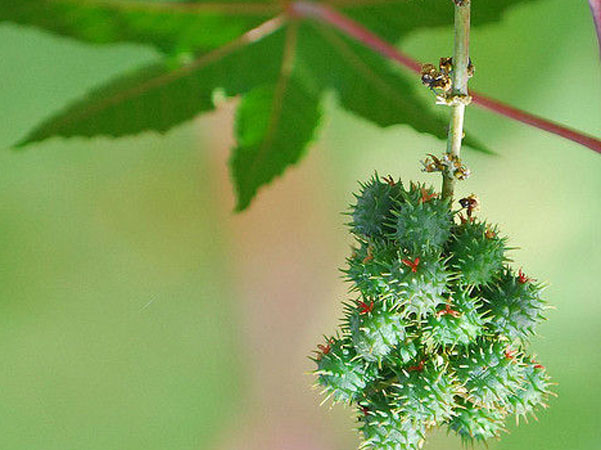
(137, 312)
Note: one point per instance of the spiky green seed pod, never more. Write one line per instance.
(341, 372)
(474, 424)
(373, 208)
(423, 280)
(375, 270)
(422, 222)
(533, 392)
(375, 329)
(459, 322)
(414, 285)
(434, 334)
(490, 373)
(514, 304)
(477, 252)
(384, 428)
(424, 393)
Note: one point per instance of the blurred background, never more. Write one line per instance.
(138, 312)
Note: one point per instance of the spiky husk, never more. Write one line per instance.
(436, 332)
(459, 322)
(376, 332)
(514, 305)
(422, 224)
(372, 210)
(380, 271)
(341, 372)
(422, 290)
(475, 424)
(477, 252)
(384, 428)
(424, 393)
(490, 372)
(375, 270)
(533, 392)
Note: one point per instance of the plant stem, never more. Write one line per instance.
(461, 60)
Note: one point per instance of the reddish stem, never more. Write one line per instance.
(355, 30)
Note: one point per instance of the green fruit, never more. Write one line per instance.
(424, 393)
(423, 281)
(533, 392)
(340, 371)
(422, 223)
(375, 329)
(457, 323)
(375, 271)
(373, 209)
(514, 305)
(474, 424)
(490, 373)
(476, 252)
(384, 428)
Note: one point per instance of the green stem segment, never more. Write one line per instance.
(461, 61)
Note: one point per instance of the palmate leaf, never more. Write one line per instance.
(282, 67)
(274, 123)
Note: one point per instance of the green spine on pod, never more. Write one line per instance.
(405, 351)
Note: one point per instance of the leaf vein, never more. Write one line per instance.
(279, 93)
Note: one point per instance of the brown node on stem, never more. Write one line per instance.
(437, 80)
